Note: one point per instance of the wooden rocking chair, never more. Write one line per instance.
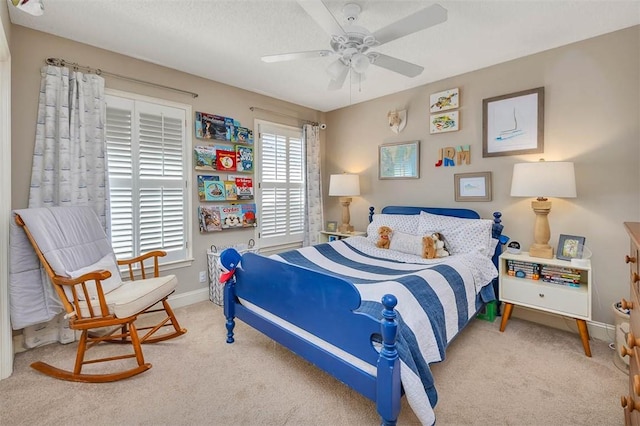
(79, 260)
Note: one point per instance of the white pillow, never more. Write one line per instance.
(114, 281)
(407, 223)
(406, 243)
(460, 235)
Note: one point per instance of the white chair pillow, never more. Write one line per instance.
(114, 281)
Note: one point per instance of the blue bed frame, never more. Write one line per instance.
(325, 306)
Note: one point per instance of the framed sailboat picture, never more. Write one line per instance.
(513, 124)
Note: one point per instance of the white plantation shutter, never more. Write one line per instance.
(146, 152)
(282, 182)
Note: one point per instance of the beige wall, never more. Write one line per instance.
(29, 50)
(592, 115)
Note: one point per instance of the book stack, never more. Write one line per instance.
(560, 275)
(520, 269)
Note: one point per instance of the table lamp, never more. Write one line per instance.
(344, 186)
(543, 179)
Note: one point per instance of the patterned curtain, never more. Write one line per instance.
(314, 215)
(69, 162)
(69, 168)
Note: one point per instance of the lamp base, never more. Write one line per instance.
(544, 252)
(345, 228)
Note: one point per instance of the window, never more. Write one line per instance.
(282, 184)
(147, 161)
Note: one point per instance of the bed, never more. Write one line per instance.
(374, 318)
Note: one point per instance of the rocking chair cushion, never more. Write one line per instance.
(133, 297)
(114, 281)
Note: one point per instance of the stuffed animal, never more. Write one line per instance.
(428, 247)
(441, 249)
(385, 237)
(433, 246)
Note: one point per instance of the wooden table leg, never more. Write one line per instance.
(508, 307)
(584, 336)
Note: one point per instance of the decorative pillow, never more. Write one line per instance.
(461, 235)
(406, 243)
(407, 223)
(114, 281)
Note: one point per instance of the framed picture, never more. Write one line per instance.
(332, 225)
(513, 124)
(570, 247)
(399, 160)
(333, 238)
(445, 122)
(442, 101)
(473, 186)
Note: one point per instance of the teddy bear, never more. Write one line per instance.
(428, 247)
(433, 246)
(385, 237)
(441, 249)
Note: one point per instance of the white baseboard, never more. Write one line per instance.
(597, 330)
(189, 298)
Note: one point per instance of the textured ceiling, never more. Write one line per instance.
(223, 40)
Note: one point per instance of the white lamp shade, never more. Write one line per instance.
(544, 179)
(344, 185)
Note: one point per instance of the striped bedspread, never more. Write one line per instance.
(436, 299)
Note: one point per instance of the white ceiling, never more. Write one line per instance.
(223, 40)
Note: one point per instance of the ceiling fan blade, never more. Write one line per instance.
(337, 83)
(422, 19)
(297, 55)
(319, 12)
(397, 65)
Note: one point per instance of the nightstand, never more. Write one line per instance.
(550, 285)
(326, 236)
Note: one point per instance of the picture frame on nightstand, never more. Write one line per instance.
(570, 247)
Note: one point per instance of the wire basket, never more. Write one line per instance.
(216, 289)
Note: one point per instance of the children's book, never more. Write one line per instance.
(204, 157)
(225, 160)
(248, 215)
(201, 181)
(230, 124)
(244, 158)
(231, 216)
(209, 218)
(244, 187)
(214, 191)
(230, 190)
(244, 135)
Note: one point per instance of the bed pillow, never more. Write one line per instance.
(407, 223)
(114, 281)
(406, 243)
(461, 235)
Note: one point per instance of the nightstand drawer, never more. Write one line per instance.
(555, 298)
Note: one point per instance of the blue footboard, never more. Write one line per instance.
(323, 306)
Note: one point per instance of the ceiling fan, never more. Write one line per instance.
(351, 43)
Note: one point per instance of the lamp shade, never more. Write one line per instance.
(544, 179)
(344, 185)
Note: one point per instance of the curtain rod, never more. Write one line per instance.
(313, 123)
(62, 62)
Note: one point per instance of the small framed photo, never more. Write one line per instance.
(443, 101)
(570, 247)
(473, 186)
(333, 238)
(332, 225)
(444, 122)
(513, 124)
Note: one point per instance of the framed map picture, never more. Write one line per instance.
(399, 160)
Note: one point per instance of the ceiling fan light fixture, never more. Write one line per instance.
(359, 62)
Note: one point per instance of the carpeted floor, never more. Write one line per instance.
(528, 375)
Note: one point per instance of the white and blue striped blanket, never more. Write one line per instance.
(436, 299)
